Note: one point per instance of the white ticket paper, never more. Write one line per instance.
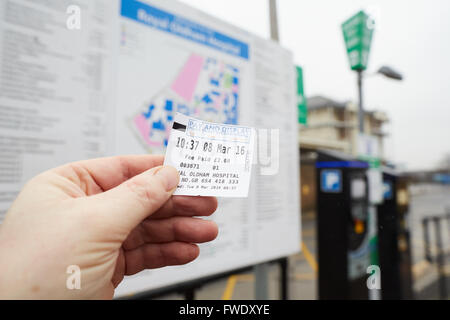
(213, 159)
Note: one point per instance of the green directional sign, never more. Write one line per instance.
(358, 31)
(301, 99)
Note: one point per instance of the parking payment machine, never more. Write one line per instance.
(393, 239)
(342, 218)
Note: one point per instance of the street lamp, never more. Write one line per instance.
(390, 73)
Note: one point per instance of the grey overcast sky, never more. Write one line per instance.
(412, 36)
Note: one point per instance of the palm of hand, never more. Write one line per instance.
(112, 217)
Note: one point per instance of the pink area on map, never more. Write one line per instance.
(218, 100)
(144, 128)
(235, 88)
(186, 82)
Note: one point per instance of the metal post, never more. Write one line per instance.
(440, 260)
(261, 270)
(448, 220)
(372, 294)
(360, 102)
(261, 281)
(273, 20)
(284, 284)
(426, 239)
(189, 294)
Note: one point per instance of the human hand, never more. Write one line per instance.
(111, 217)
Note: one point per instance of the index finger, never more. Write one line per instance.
(107, 173)
(187, 206)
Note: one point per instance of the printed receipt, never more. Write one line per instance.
(212, 159)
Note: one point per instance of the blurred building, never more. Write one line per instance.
(439, 176)
(333, 125)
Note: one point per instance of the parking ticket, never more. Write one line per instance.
(213, 159)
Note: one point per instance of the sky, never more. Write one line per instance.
(411, 36)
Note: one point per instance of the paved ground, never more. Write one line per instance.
(425, 201)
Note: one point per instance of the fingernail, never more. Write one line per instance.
(170, 176)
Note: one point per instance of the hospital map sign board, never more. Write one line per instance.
(114, 86)
(358, 31)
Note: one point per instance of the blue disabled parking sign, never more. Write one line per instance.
(331, 181)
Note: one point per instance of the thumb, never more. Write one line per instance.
(126, 205)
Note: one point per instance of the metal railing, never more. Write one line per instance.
(439, 256)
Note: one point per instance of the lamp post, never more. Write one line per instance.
(386, 71)
(360, 102)
(358, 31)
(262, 270)
(273, 20)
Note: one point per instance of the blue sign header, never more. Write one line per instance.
(181, 27)
(341, 164)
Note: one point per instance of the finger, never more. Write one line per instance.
(102, 174)
(152, 256)
(126, 205)
(185, 229)
(187, 206)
